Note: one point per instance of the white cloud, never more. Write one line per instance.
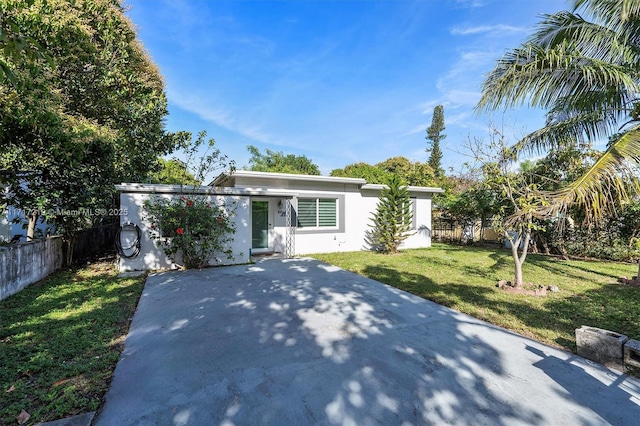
(472, 4)
(487, 29)
(222, 117)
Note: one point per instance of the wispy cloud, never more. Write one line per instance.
(459, 86)
(223, 117)
(471, 4)
(487, 29)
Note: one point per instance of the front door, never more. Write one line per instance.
(259, 224)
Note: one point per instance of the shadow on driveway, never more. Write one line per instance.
(294, 342)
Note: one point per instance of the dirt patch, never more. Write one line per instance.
(634, 281)
(527, 288)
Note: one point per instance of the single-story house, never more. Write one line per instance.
(275, 213)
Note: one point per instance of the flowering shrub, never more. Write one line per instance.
(192, 227)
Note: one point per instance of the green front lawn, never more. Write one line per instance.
(60, 340)
(464, 278)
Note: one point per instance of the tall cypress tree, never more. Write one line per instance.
(391, 223)
(434, 135)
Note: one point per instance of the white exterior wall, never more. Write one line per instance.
(351, 238)
(356, 205)
(152, 257)
(422, 218)
(359, 207)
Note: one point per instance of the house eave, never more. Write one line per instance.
(203, 190)
(414, 189)
(286, 176)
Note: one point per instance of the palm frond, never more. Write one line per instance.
(621, 16)
(611, 12)
(542, 76)
(577, 127)
(612, 180)
(590, 38)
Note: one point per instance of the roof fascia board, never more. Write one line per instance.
(201, 190)
(423, 189)
(294, 177)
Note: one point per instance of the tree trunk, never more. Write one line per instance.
(33, 219)
(69, 244)
(517, 276)
(545, 245)
(518, 261)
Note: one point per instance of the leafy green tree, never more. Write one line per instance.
(372, 174)
(471, 205)
(278, 162)
(512, 196)
(412, 173)
(391, 222)
(435, 136)
(15, 45)
(172, 172)
(84, 112)
(583, 66)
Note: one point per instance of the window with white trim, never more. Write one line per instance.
(317, 213)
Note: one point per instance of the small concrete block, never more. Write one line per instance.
(632, 357)
(602, 346)
(79, 420)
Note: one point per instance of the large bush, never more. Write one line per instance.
(191, 228)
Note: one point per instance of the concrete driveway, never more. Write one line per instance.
(296, 342)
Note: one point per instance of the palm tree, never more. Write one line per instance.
(583, 67)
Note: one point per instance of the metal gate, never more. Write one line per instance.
(290, 231)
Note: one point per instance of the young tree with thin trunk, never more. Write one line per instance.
(516, 195)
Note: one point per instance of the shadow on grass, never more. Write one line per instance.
(567, 268)
(420, 285)
(611, 306)
(60, 339)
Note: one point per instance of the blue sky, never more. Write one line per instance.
(337, 81)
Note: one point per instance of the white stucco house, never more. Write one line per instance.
(275, 213)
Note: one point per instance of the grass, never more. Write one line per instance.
(464, 278)
(60, 340)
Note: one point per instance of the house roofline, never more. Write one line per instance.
(289, 176)
(202, 190)
(421, 189)
(362, 183)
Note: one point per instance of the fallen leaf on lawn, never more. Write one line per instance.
(23, 417)
(11, 389)
(60, 382)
